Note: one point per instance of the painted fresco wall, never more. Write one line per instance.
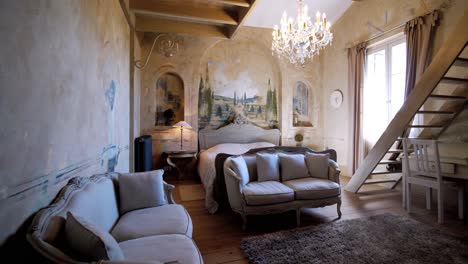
(235, 76)
(302, 113)
(352, 28)
(64, 104)
(239, 78)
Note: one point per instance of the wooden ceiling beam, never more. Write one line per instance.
(184, 10)
(158, 25)
(241, 3)
(242, 14)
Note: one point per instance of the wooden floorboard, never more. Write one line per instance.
(218, 236)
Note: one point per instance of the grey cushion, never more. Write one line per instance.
(312, 188)
(240, 168)
(251, 162)
(89, 242)
(167, 219)
(317, 164)
(163, 248)
(141, 190)
(293, 167)
(268, 167)
(268, 192)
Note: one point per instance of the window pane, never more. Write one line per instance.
(398, 78)
(375, 97)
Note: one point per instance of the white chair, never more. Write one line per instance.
(424, 169)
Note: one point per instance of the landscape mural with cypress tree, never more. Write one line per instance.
(216, 109)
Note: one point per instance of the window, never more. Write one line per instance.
(384, 87)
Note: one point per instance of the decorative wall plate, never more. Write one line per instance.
(336, 98)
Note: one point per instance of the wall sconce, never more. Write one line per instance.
(167, 46)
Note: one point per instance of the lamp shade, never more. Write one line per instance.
(182, 124)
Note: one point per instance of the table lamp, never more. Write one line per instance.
(182, 124)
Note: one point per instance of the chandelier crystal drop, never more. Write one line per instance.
(301, 39)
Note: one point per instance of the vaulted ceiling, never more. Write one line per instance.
(212, 18)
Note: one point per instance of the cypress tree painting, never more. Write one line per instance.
(238, 78)
(215, 109)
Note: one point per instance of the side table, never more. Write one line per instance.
(182, 161)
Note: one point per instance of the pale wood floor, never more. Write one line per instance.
(218, 236)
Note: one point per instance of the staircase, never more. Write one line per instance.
(429, 99)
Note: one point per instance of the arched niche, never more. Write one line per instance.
(169, 99)
(302, 110)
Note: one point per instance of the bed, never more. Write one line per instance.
(233, 139)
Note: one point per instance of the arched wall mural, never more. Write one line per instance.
(238, 77)
(302, 105)
(169, 99)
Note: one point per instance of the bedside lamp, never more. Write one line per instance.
(182, 124)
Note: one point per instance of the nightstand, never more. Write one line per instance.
(183, 161)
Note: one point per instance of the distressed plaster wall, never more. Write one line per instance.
(353, 28)
(64, 104)
(191, 61)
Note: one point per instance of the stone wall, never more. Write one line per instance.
(64, 104)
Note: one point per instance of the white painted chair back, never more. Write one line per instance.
(426, 158)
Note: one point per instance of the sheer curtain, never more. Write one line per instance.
(356, 69)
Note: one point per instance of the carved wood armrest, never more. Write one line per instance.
(333, 171)
(168, 188)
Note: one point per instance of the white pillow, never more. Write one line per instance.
(141, 190)
(240, 168)
(317, 164)
(91, 243)
(268, 167)
(293, 167)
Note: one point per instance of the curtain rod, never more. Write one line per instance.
(385, 32)
(378, 35)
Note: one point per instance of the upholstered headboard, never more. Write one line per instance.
(237, 133)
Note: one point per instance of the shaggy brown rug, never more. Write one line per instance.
(378, 239)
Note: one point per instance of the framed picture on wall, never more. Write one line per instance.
(169, 100)
(302, 105)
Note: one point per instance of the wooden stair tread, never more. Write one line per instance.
(375, 181)
(427, 126)
(453, 80)
(384, 172)
(435, 112)
(395, 151)
(461, 62)
(390, 162)
(446, 97)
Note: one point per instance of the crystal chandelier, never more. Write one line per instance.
(301, 39)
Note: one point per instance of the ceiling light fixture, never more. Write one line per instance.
(301, 39)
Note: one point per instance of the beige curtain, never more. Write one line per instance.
(419, 37)
(356, 69)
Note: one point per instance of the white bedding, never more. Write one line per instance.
(207, 170)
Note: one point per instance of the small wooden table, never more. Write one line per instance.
(174, 156)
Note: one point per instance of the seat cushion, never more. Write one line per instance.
(162, 248)
(267, 192)
(166, 219)
(312, 188)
